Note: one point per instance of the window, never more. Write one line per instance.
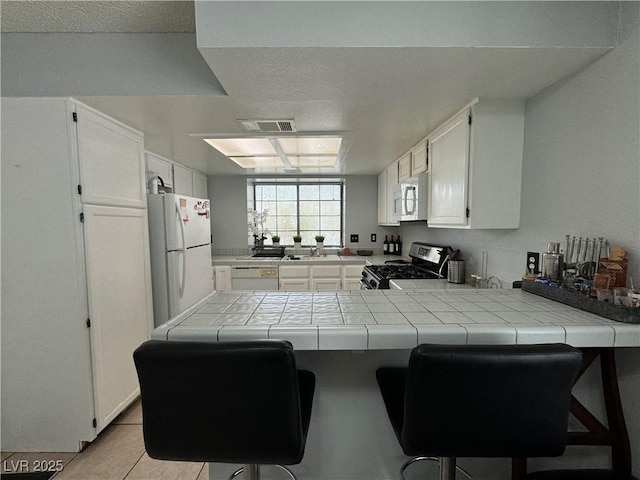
(305, 209)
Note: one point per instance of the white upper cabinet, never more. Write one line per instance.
(111, 156)
(199, 185)
(158, 166)
(449, 172)
(189, 182)
(419, 162)
(404, 167)
(387, 180)
(182, 180)
(476, 167)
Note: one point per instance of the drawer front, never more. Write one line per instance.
(326, 271)
(298, 271)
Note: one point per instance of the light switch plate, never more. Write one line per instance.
(374, 238)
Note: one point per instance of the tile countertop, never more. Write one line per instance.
(221, 260)
(392, 319)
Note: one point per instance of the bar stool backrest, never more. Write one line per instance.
(488, 401)
(233, 402)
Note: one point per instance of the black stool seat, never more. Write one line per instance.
(231, 402)
(481, 400)
(587, 474)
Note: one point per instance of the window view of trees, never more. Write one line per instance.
(307, 209)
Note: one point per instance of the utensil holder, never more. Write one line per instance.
(455, 272)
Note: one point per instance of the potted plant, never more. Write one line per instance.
(256, 223)
(276, 240)
(297, 241)
(320, 244)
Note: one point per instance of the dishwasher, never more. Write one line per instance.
(254, 278)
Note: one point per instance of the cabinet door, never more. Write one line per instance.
(351, 284)
(325, 284)
(419, 158)
(294, 285)
(111, 157)
(223, 278)
(182, 180)
(120, 302)
(159, 166)
(382, 198)
(392, 182)
(404, 166)
(199, 185)
(449, 172)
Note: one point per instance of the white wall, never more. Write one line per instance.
(228, 194)
(581, 169)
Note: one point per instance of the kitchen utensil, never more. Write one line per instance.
(552, 262)
(455, 273)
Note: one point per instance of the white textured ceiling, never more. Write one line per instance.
(97, 16)
(388, 98)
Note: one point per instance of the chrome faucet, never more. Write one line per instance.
(314, 252)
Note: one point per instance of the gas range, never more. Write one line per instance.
(427, 262)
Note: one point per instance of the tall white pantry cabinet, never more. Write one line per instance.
(76, 289)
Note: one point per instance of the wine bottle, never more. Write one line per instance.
(392, 247)
(385, 245)
(398, 246)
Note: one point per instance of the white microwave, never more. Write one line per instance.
(410, 199)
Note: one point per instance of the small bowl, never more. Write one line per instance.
(365, 253)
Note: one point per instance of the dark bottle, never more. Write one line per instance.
(398, 246)
(392, 247)
(385, 245)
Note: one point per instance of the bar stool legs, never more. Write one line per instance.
(413, 460)
(252, 471)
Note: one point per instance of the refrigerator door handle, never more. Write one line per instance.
(184, 251)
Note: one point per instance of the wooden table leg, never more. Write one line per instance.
(614, 435)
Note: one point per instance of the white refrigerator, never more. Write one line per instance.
(180, 246)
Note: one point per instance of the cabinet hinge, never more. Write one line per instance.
(95, 423)
(81, 217)
(74, 116)
(88, 323)
(470, 119)
(427, 156)
(79, 189)
(468, 212)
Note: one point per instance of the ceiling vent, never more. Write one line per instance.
(270, 126)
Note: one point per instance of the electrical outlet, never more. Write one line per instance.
(355, 238)
(533, 262)
(374, 238)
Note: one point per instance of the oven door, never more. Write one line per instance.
(364, 285)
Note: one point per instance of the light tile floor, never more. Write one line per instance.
(117, 454)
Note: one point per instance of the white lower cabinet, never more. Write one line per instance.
(300, 278)
(294, 278)
(223, 278)
(351, 275)
(326, 277)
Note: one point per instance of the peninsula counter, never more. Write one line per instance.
(344, 336)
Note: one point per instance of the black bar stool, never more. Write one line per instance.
(230, 402)
(480, 401)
